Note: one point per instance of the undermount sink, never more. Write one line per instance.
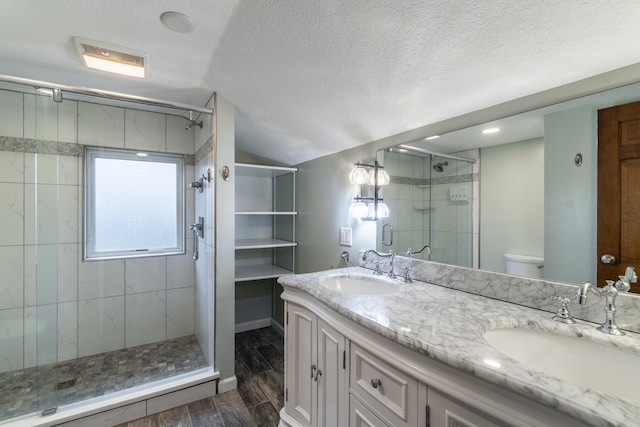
(578, 360)
(359, 285)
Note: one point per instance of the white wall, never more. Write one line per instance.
(570, 195)
(100, 305)
(323, 197)
(511, 202)
(224, 274)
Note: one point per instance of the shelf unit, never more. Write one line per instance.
(265, 222)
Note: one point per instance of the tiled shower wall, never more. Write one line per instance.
(101, 305)
(422, 211)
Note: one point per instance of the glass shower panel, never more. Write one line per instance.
(42, 191)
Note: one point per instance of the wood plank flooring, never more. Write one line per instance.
(257, 400)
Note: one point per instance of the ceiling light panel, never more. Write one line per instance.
(112, 59)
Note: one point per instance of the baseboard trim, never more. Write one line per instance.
(254, 324)
(277, 326)
(227, 384)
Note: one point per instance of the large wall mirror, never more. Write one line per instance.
(526, 193)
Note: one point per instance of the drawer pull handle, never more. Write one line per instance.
(319, 374)
(313, 370)
(376, 382)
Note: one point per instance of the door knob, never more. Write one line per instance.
(608, 259)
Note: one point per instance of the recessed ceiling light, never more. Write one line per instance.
(112, 59)
(491, 130)
(432, 137)
(176, 21)
(402, 150)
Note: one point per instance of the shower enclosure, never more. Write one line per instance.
(73, 330)
(433, 200)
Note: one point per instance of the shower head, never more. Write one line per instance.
(192, 124)
(439, 167)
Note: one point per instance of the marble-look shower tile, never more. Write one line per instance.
(11, 339)
(40, 274)
(67, 331)
(46, 120)
(181, 269)
(68, 256)
(12, 277)
(40, 168)
(145, 274)
(41, 214)
(464, 220)
(180, 312)
(11, 214)
(100, 325)
(11, 113)
(99, 279)
(145, 318)
(144, 130)
(68, 121)
(100, 125)
(40, 335)
(68, 170)
(179, 139)
(11, 166)
(68, 213)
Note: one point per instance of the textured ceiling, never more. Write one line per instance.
(311, 78)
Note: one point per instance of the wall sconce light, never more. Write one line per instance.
(369, 206)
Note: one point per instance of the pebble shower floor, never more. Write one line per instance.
(97, 375)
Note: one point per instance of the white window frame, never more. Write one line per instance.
(93, 153)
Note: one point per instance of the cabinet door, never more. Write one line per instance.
(332, 408)
(302, 365)
(446, 412)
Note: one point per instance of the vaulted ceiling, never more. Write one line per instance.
(310, 78)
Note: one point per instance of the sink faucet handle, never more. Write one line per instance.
(563, 314)
(406, 277)
(377, 271)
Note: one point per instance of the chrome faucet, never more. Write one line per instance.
(411, 253)
(391, 261)
(610, 293)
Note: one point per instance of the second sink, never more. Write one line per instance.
(359, 285)
(601, 367)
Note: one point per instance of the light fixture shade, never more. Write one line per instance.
(358, 176)
(383, 210)
(358, 210)
(383, 177)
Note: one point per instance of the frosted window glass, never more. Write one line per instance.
(134, 204)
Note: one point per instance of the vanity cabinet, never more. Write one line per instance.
(338, 373)
(316, 370)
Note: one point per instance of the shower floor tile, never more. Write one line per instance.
(97, 375)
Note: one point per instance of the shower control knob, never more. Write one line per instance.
(608, 259)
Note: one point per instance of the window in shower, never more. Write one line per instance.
(133, 205)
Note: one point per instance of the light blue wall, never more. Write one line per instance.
(511, 202)
(570, 195)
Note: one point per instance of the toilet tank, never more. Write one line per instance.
(524, 265)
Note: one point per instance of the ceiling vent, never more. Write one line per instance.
(112, 59)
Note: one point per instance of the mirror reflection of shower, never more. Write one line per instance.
(439, 167)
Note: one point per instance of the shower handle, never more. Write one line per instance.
(198, 231)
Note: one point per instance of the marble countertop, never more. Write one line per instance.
(448, 325)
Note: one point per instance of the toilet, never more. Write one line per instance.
(523, 265)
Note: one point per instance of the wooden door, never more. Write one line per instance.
(619, 191)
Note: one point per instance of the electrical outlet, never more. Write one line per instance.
(346, 236)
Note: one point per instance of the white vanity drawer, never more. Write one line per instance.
(360, 416)
(390, 392)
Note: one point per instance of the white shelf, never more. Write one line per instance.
(263, 243)
(246, 169)
(265, 213)
(259, 272)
